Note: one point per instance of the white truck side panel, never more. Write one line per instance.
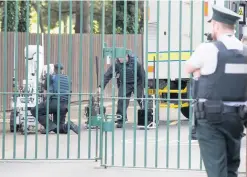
(191, 36)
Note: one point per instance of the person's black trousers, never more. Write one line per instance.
(129, 90)
(52, 110)
(220, 144)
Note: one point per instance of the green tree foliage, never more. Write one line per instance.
(119, 16)
(10, 16)
(11, 13)
(76, 10)
(54, 13)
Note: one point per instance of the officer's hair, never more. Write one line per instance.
(244, 40)
(227, 26)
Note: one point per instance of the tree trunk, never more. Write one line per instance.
(77, 21)
(41, 23)
(86, 18)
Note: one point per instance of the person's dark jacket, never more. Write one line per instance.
(130, 65)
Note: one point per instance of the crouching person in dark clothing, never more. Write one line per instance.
(53, 104)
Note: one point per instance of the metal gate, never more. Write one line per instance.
(158, 136)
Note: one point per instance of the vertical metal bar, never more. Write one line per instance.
(237, 25)
(102, 84)
(226, 3)
(124, 82)
(5, 79)
(97, 128)
(105, 148)
(48, 60)
(157, 84)
(102, 79)
(202, 40)
(15, 73)
(90, 78)
(114, 77)
(59, 72)
(168, 85)
(70, 76)
(191, 50)
(26, 87)
(179, 80)
(80, 79)
(135, 81)
(37, 83)
(146, 84)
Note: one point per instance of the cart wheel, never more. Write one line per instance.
(11, 125)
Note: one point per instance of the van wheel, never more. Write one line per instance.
(186, 112)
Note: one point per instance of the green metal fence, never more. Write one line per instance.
(162, 146)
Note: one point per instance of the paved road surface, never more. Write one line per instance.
(157, 152)
(80, 169)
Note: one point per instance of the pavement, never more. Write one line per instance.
(163, 151)
(80, 169)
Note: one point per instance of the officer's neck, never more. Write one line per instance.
(226, 33)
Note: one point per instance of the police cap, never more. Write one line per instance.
(224, 15)
(58, 65)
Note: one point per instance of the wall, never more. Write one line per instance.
(54, 52)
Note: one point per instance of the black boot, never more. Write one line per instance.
(119, 123)
(73, 127)
(51, 128)
(42, 121)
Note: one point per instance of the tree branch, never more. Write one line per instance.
(40, 17)
(62, 11)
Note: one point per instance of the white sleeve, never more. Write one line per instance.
(203, 54)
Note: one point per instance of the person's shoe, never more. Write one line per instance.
(243, 135)
(119, 124)
(116, 120)
(74, 127)
(193, 137)
(43, 131)
(52, 127)
(60, 132)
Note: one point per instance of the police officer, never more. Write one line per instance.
(53, 101)
(194, 88)
(130, 85)
(221, 93)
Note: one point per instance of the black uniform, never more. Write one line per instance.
(53, 105)
(221, 96)
(130, 79)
